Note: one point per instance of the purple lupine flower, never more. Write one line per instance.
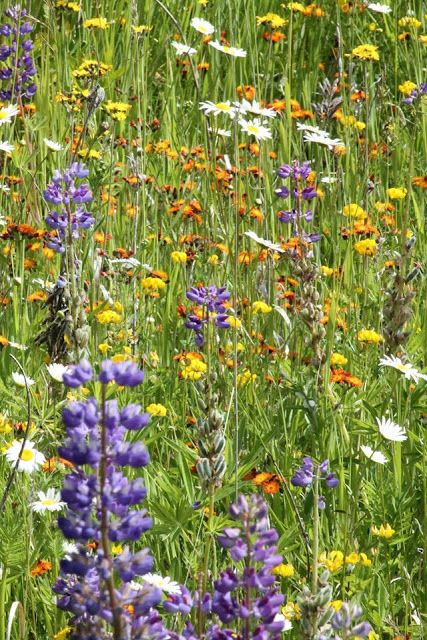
(416, 93)
(345, 620)
(17, 77)
(304, 476)
(64, 193)
(212, 300)
(99, 498)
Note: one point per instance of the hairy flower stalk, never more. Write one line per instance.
(304, 268)
(68, 195)
(95, 587)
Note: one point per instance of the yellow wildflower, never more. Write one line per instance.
(245, 377)
(385, 531)
(364, 560)
(193, 368)
(337, 358)
(366, 247)
(333, 561)
(366, 52)
(292, 611)
(61, 635)
(180, 257)
(141, 28)
(116, 549)
(397, 193)
(284, 570)
(96, 23)
(272, 19)
(326, 271)
(354, 211)
(296, 6)
(117, 110)
(336, 604)
(152, 285)
(5, 425)
(109, 317)
(367, 335)
(410, 22)
(213, 260)
(234, 322)
(261, 307)
(92, 69)
(103, 348)
(353, 558)
(156, 410)
(406, 87)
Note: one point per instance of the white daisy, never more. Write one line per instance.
(255, 128)
(263, 242)
(51, 144)
(408, 370)
(231, 51)
(6, 147)
(217, 107)
(329, 179)
(22, 381)
(165, 584)
(7, 113)
(375, 456)
(379, 8)
(183, 49)
(49, 501)
(254, 108)
(29, 460)
(318, 136)
(202, 26)
(225, 133)
(56, 371)
(390, 430)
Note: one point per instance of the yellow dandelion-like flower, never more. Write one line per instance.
(96, 23)
(156, 410)
(366, 52)
(366, 247)
(397, 193)
(409, 22)
(354, 211)
(338, 359)
(284, 570)
(407, 86)
(109, 317)
(367, 335)
(180, 257)
(384, 531)
(259, 306)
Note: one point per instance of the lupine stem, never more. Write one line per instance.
(117, 632)
(314, 574)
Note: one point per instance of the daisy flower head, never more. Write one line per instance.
(236, 52)
(224, 133)
(164, 583)
(390, 430)
(52, 145)
(29, 459)
(6, 147)
(318, 136)
(216, 108)
(408, 370)
(21, 380)
(202, 26)
(183, 49)
(49, 501)
(255, 128)
(254, 108)
(7, 113)
(375, 456)
(379, 8)
(57, 370)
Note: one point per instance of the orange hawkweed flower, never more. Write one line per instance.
(41, 567)
(340, 375)
(420, 181)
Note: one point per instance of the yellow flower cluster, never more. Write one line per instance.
(407, 87)
(261, 307)
(246, 377)
(409, 22)
(180, 257)
(156, 410)
(335, 560)
(367, 335)
(111, 316)
(193, 368)
(292, 611)
(117, 110)
(274, 20)
(96, 23)
(284, 570)
(397, 193)
(366, 52)
(384, 531)
(152, 285)
(354, 211)
(92, 69)
(338, 359)
(366, 247)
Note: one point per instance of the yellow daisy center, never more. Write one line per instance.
(27, 455)
(223, 106)
(48, 502)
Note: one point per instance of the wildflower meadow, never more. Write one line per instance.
(213, 320)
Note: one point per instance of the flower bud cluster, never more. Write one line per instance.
(63, 192)
(212, 300)
(17, 70)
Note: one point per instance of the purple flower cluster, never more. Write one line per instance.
(95, 587)
(345, 622)
(416, 93)
(298, 173)
(18, 70)
(305, 475)
(212, 300)
(63, 192)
